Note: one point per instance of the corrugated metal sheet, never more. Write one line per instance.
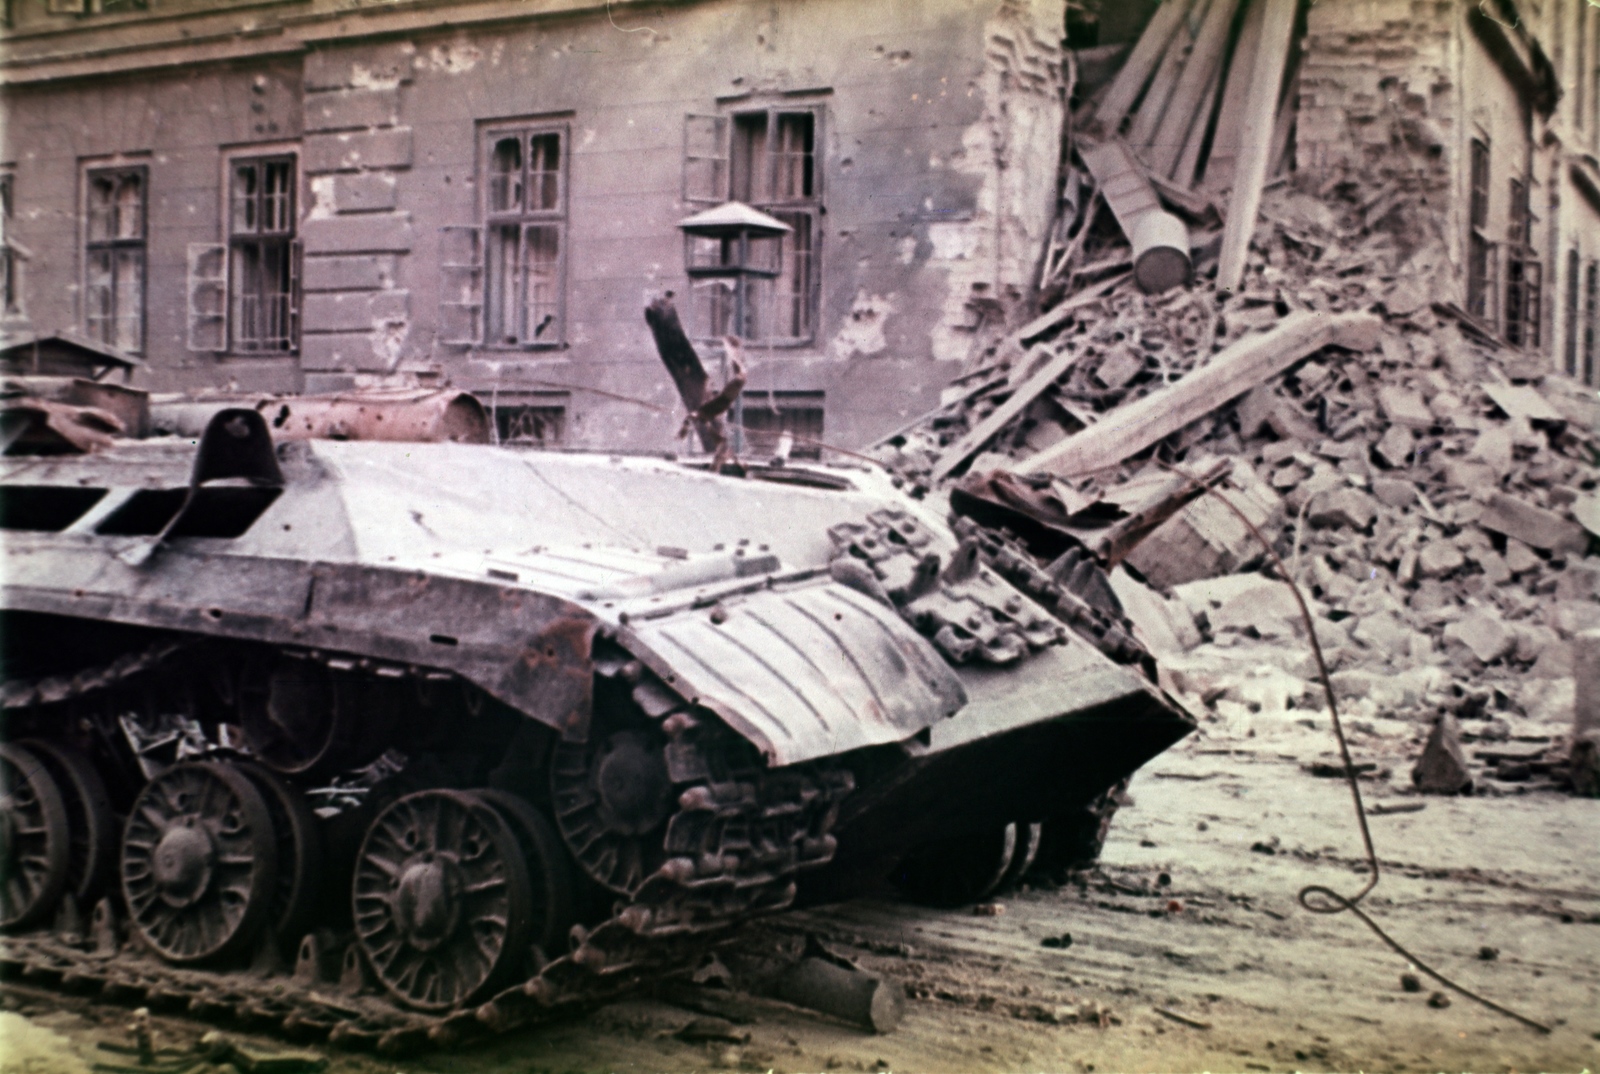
(807, 672)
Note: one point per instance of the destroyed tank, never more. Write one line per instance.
(459, 733)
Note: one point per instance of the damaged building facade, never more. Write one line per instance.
(280, 197)
(1491, 112)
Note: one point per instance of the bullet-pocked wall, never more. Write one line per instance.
(114, 178)
(932, 132)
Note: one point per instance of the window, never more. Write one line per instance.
(769, 415)
(1524, 273)
(1574, 329)
(531, 418)
(1481, 260)
(95, 7)
(524, 236)
(1591, 320)
(766, 158)
(263, 266)
(114, 257)
(10, 256)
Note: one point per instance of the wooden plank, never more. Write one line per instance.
(1260, 112)
(1139, 65)
(963, 449)
(1199, 74)
(1189, 161)
(1230, 373)
(1154, 105)
(1121, 180)
(1230, 114)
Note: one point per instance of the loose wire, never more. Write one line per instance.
(1337, 903)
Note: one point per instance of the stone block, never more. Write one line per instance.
(365, 67)
(1482, 633)
(1343, 507)
(1394, 492)
(1580, 581)
(1442, 768)
(359, 233)
(342, 351)
(1519, 557)
(390, 147)
(363, 192)
(1404, 406)
(1394, 448)
(352, 109)
(348, 273)
(1533, 526)
(354, 311)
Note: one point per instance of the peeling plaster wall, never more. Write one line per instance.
(940, 140)
(174, 124)
(1379, 102)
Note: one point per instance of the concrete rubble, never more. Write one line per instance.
(1433, 491)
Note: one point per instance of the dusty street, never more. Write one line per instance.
(1223, 944)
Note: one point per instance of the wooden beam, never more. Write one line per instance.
(1199, 76)
(1139, 65)
(968, 445)
(1230, 114)
(1154, 105)
(1231, 372)
(1189, 161)
(1255, 150)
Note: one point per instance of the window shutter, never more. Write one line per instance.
(208, 296)
(460, 285)
(1533, 297)
(705, 159)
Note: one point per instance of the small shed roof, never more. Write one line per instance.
(62, 354)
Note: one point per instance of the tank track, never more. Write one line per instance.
(734, 847)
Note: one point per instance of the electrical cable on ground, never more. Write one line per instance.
(1315, 897)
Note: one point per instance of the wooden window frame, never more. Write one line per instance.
(115, 246)
(282, 237)
(712, 167)
(493, 290)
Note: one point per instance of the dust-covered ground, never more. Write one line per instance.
(1193, 912)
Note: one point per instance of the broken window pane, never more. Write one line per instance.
(544, 171)
(129, 301)
(748, 158)
(114, 257)
(524, 229)
(504, 280)
(505, 176)
(792, 156)
(544, 263)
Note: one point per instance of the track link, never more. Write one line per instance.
(734, 845)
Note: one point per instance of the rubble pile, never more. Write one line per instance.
(1433, 492)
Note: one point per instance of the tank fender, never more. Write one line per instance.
(557, 667)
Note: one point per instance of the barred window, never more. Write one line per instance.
(1574, 327)
(262, 256)
(1524, 273)
(1591, 320)
(10, 256)
(524, 236)
(1482, 256)
(114, 256)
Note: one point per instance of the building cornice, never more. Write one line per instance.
(266, 29)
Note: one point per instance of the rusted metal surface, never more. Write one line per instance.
(675, 683)
(419, 415)
(33, 426)
(806, 672)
